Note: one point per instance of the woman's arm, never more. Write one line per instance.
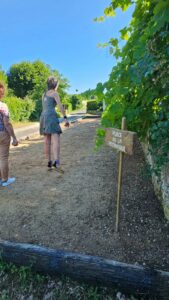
(10, 130)
(61, 108)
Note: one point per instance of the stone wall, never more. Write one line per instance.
(161, 185)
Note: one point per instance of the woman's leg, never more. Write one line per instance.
(56, 147)
(56, 152)
(48, 146)
(4, 155)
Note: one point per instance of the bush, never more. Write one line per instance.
(94, 105)
(20, 109)
(35, 115)
(75, 102)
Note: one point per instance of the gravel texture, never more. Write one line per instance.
(76, 211)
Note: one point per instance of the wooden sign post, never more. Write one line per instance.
(121, 140)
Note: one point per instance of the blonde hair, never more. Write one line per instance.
(52, 82)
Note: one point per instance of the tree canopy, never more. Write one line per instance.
(3, 77)
(29, 78)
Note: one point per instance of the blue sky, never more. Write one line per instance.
(61, 34)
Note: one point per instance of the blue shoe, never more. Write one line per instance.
(8, 182)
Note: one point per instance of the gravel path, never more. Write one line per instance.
(76, 211)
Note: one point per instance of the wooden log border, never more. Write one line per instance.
(91, 269)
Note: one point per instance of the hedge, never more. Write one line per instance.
(94, 105)
(20, 109)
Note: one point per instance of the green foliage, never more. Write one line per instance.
(159, 141)
(35, 115)
(23, 283)
(113, 115)
(100, 133)
(99, 91)
(75, 102)
(138, 86)
(26, 77)
(91, 105)
(110, 10)
(88, 95)
(94, 105)
(29, 79)
(3, 77)
(96, 94)
(20, 109)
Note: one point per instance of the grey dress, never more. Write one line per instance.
(49, 122)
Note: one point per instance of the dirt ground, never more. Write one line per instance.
(76, 211)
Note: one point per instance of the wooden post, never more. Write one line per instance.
(123, 127)
(90, 269)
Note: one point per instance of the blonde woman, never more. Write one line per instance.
(49, 124)
(6, 132)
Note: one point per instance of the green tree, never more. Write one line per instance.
(29, 79)
(88, 94)
(26, 77)
(3, 77)
(75, 101)
(99, 91)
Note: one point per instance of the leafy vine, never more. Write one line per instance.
(138, 86)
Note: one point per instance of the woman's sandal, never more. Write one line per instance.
(50, 165)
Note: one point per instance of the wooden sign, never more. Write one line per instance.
(121, 140)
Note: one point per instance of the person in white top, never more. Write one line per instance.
(6, 132)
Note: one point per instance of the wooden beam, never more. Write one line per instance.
(90, 269)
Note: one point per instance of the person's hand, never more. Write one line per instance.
(67, 124)
(15, 142)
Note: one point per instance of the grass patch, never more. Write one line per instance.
(23, 283)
